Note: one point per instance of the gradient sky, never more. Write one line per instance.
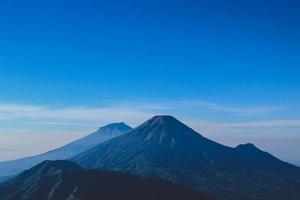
(229, 69)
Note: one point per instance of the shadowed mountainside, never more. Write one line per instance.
(64, 180)
(164, 147)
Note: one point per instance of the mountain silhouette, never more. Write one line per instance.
(64, 180)
(9, 168)
(163, 147)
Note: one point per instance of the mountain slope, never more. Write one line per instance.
(107, 132)
(64, 180)
(166, 148)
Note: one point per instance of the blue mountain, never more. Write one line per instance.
(104, 133)
(64, 180)
(164, 147)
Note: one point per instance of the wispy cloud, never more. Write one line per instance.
(250, 110)
(17, 108)
(99, 114)
(133, 112)
(265, 124)
(239, 128)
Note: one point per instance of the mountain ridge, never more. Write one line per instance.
(9, 168)
(65, 180)
(164, 147)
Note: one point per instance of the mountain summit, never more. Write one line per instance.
(104, 133)
(163, 120)
(165, 125)
(113, 129)
(161, 129)
(166, 148)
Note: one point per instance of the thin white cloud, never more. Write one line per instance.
(101, 114)
(9, 108)
(252, 110)
(263, 127)
(265, 124)
(134, 111)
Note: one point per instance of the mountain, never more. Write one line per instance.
(64, 180)
(164, 147)
(9, 168)
(4, 178)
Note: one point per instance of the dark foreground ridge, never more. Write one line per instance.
(64, 180)
(166, 148)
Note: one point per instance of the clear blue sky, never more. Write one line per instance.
(210, 61)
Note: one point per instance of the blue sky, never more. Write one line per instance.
(230, 69)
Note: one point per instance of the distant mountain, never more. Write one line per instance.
(164, 147)
(297, 163)
(14, 167)
(64, 180)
